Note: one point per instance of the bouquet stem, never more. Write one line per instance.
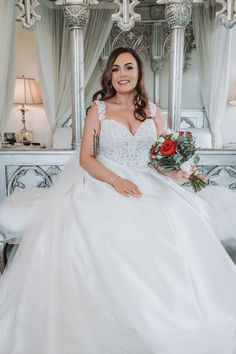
(197, 183)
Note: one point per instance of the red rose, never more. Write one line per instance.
(168, 147)
(181, 133)
(190, 133)
(153, 150)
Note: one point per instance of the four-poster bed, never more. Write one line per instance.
(168, 31)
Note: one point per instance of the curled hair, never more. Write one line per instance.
(140, 98)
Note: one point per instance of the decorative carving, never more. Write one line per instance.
(76, 16)
(53, 172)
(189, 44)
(139, 38)
(28, 17)
(142, 38)
(76, 2)
(46, 179)
(157, 12)
(126, 16)
(156, 65)
(178, 13)
(227, 15)
(222, 176)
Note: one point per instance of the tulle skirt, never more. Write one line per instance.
(101, 273)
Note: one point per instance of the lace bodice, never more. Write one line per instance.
(118, 144)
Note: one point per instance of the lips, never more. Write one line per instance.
(123, 82)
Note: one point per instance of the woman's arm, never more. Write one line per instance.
(88, 157)
(88, 148)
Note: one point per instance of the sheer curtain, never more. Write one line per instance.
(7, 59)
(55, 61)
(54, 65)
(96, 35)
(213, 46)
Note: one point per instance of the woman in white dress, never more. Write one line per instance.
(119, 259)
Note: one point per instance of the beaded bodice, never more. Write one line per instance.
(118, 144)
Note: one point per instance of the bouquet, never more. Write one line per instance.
(172, 150)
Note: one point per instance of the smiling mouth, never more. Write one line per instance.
(123, 82)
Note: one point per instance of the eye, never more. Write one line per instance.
(129, 67)
(114, 69)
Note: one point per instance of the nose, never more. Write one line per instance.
(123, 73)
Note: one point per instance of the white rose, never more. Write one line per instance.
(175, 136)
(168, 131)
(161, 140)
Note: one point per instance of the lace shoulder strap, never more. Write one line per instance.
(101, 109)
(153, 108)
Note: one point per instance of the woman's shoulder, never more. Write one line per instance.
(97, 107)
(157, 116)
(154, 109)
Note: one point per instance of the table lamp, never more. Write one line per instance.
(26, 93)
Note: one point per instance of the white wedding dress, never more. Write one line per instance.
(100, 273)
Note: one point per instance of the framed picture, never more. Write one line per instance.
(10, 138)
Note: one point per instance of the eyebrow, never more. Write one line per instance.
(124, 65)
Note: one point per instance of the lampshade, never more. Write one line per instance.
(26, 91)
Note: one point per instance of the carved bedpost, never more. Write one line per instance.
(157, 58)
(178, 15)
(76, 15)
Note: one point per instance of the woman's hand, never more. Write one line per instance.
(126, 187)
(180, 175)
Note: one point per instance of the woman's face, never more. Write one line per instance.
(124, 73)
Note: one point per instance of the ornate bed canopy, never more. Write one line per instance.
(165, 25)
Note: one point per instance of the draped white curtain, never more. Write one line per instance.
(213, 47)
(96, 35)
(54, 65)
(7, 59)
(55, 60)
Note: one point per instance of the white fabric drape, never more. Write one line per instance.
(55, 65)
(213, 46)
(96, 35)
(7, 59)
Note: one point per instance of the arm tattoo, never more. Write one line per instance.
(95, 143)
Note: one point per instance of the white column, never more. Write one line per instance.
(178, 15)
(157, 59)
(76, 17)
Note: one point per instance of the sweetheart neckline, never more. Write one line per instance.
(126, 128)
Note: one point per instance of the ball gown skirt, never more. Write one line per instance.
(101, 273)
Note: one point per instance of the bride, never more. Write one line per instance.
(118, 258)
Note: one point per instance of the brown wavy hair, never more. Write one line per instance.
(140, 99)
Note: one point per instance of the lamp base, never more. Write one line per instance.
(25, 136)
